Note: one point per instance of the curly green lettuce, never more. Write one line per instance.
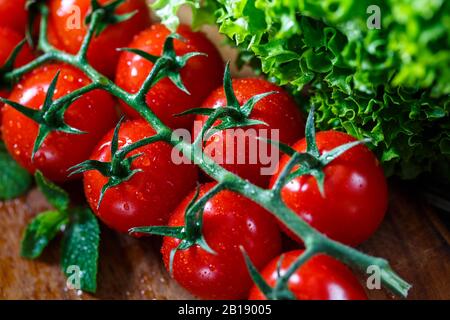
(391, 84)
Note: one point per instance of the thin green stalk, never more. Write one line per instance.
(150, 81)
(74, 95)
(82, 53)
(304, 257)
(16, 74)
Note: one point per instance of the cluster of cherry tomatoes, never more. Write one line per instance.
(355, 187)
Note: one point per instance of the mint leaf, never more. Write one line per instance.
(40, 232)
(80, 248)
(57, 197)
(14, 180)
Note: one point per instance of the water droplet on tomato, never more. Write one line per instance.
(145, 162)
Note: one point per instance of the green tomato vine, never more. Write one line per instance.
(270, 199)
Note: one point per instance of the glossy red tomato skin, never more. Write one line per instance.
(356, 195)
(320, 278)
(53, 39)
(230, 221)
(9, 40)
(93, 113)
(201, 75)
(3, 94)
(102, 54)
(13, 15)
(148, 198)
(279, 111)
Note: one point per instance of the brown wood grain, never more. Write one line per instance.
(413, 245)
(132, 269)
(129, 268)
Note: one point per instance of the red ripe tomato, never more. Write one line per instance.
(320, 278)
(13, 15)
(229, 221)
(3, 94)
(102, 54)
(201, 75)
(9, 40)
(355, 192)
(53, 38)
(149, 197)
(93, 113)
(278, 110)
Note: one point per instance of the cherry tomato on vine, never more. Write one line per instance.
(320, 278)
(229, 220)
(150, 195)
(93, 113)
(201, 74)
(102, 54)
(278, 111)
(13, 15)
(355, 189)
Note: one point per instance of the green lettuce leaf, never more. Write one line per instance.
(390, 84)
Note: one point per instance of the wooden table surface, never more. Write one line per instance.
(132, 269)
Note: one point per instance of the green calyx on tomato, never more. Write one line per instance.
(51, 117)
(119, 169)
(32, 7)
(107, 15)
(281, 289)
(168, 65)
(9, 64)
(233, 115)
(312, 162)
(191, 233)
(307, 275)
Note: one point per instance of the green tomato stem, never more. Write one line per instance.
(82, 53)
